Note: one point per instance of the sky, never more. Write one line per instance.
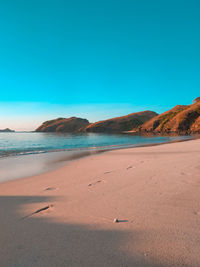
(96, 59)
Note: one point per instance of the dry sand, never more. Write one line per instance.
(153, 191)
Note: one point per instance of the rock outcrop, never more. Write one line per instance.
(7, 130)
(180, 120)
(120, 124)
(64, 125)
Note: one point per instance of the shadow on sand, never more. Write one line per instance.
(40, 241)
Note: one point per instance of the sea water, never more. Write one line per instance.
(26, 154)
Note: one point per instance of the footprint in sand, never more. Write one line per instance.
(129, 167)
(107, 172)
(91, 184)
(197, 213)
(51, 188)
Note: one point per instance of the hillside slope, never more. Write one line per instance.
(180, 119)
(120, 124)
(69, 125)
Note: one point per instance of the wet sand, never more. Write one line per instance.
(35, 164)
(65, 217)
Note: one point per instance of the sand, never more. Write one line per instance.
(65, 217)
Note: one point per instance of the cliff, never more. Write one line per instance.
(180, 120)
(120, 124)
(71, 125)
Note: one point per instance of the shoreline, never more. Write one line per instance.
(54, 160)
(92, 148)
(65, 217)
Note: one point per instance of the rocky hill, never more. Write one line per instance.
(180, 120)
(69, 125)
(114, 125)
(120, 124)
(7, 130)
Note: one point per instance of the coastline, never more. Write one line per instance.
(152, 190)
(32, 164)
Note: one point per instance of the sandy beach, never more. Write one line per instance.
(65, 217)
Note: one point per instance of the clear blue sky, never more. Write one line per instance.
(96, 59)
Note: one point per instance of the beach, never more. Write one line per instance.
(65, 217)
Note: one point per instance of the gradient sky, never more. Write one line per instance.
(96, 59)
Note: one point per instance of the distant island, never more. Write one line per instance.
(7, 130)
(182, 119)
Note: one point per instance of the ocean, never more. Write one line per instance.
(27, 154)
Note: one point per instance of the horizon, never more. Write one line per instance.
(31, 121)
(115, 111)
(96, 60)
